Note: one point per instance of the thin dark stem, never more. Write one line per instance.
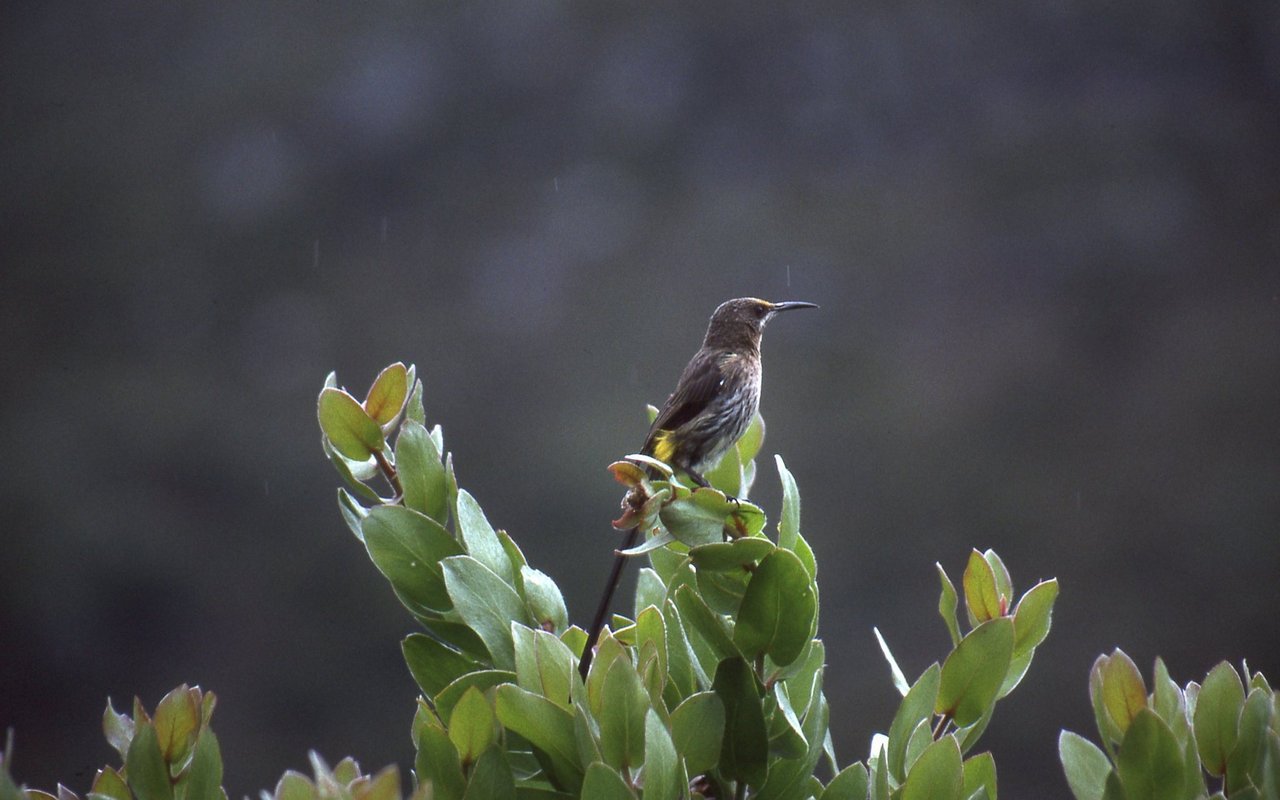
(941, 726)
(597, 624)
(389, 472)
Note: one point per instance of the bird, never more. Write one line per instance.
(718, 394)
(715, 399)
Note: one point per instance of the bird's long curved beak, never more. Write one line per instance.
(790, 304)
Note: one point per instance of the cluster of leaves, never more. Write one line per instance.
(712, 687)
(1161, 745)
(946, 710)
(174, 755)
(714, 682)
(171, 755)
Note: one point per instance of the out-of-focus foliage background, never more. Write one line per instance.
(1045, 238)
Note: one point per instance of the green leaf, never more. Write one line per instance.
(737, 555)
(407, 548)
(1085, 765)
(177, 721)
(351, 431)
(352, 513)
(697, 728)
(899, 680)
(490, 778)
(1033, 616)
(203, 780)
(981, 596)
(974, 671)
(608, 650)
(651, 629)
(706, 624)
(789, 521)
(487, 604)
(879, 777)
(479, 538)
(1148, 762)
(421, 472)
(575, 639)
(383, 786)
(938, 774)
(603, 782)
(481, 680)
(659, 539)
(684, 671)
(471, 726)
(437, 762)
(108, 785)
(546, 603)
(1122, 691)
(515, 556)
(850, 784)
(544, 664)
(433, 664)
(1244, 763)
(148, 775)
(622, 715)
(1271, 766)
(650, 590)
(744, 755)
(948, 602)
(805, 553)
(387, 394)
(916, 706)
(920, 738)
(413, 409)
(118, 728)
(1217, 717)
(544, 724)
(778, 609)
(294, 786)
(662, 779)
(1167, 701)
(979, 775)
(1004, 585)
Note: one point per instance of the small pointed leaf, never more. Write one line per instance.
(387, 394)
(349, 428)
(974, 671)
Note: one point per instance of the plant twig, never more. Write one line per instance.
(389, 472)
(943, 721)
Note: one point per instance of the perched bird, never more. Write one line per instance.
(718, 393)
(715, 400)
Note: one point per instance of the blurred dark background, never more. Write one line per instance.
(1045, 238)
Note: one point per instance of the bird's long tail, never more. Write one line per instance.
(597, 624)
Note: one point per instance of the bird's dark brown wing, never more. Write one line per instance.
(698, 384)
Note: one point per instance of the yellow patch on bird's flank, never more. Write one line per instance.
(664, 446)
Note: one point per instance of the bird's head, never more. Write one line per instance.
(740, 322)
